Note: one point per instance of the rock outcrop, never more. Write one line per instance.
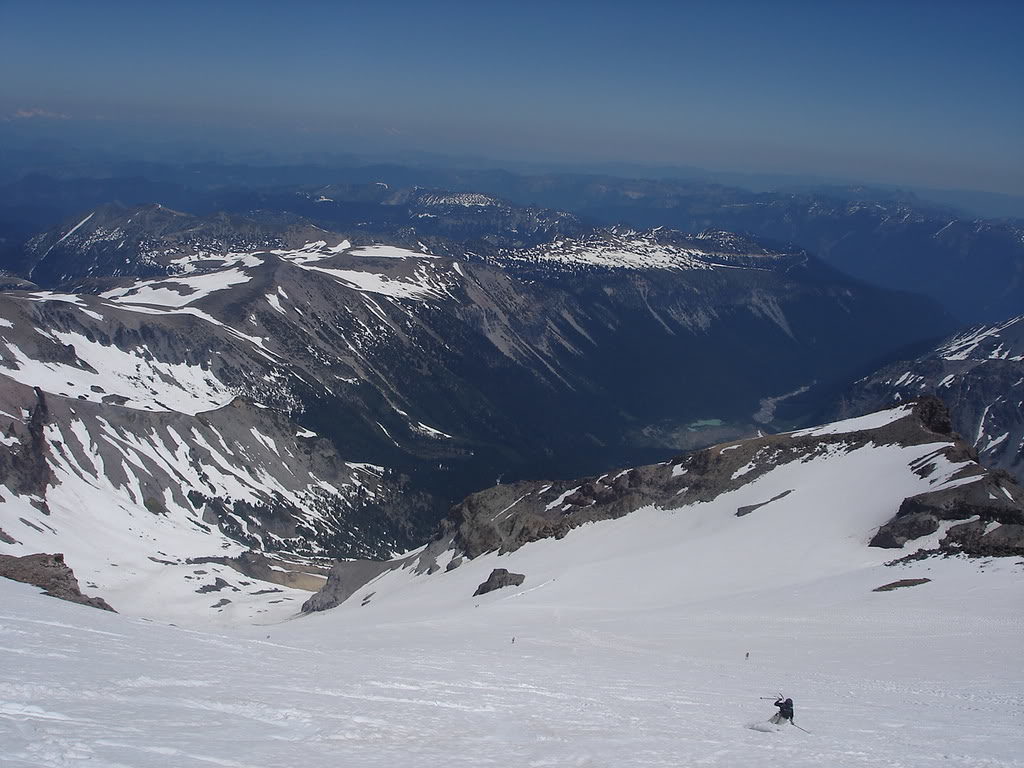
(50, 573)
(991, 509)
(901, 584)
(343, 582)
(500, 578)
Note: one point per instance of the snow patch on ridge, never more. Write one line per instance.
(145, 383)
(966, 345)
(177, 291)
(870, 421)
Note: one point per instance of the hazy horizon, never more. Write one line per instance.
(912, 95)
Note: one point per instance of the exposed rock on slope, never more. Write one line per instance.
(343, 581)
(499, 579)
(989, 514)
(51, 574)
(127, 492)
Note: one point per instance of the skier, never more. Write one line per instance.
(785, 711)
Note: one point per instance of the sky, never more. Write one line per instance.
(904, 92)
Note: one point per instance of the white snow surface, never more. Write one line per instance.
(915, 677)
(69, 233)
(177, 291)
(629, 251)
(632, 250)
(870, 421)
(135, 558)
(390, 252)
(423, 285)
(426, 283)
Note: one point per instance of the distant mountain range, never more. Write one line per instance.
(972, 266)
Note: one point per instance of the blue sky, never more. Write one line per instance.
(925, 93)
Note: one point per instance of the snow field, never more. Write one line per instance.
(176, 292)
(630, 251)
(917, 677)
(870, 421)
(135, 559)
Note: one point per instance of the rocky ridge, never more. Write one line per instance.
(961, 508)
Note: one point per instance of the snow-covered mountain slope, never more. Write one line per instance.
(549, 674)
(160, 508)
(979, 374)
(972, 266)
(826, 500)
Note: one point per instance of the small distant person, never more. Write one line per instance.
(785, 711)
(748, 655)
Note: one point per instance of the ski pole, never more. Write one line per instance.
(797, 726)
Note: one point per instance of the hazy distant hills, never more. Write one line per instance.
(974, 267)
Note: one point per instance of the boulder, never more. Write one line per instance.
(50, 573)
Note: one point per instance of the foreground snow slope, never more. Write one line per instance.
(915, 677)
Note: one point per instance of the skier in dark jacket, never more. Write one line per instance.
(785, 711)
